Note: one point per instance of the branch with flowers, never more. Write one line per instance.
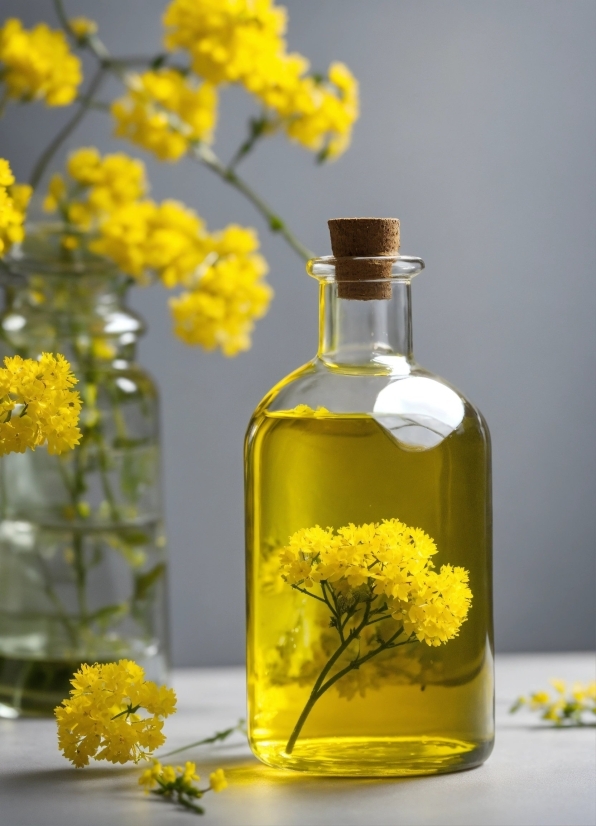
(169, 108)
(374, 577)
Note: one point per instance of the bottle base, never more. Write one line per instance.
(374, 756)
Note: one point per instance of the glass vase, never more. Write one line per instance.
(82, 548)
(359, 435)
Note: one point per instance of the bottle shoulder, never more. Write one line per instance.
(418, 407)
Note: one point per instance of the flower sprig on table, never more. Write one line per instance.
(569, 706)
(100, 720)
(169, 108)
(178, 784)
(101, 717)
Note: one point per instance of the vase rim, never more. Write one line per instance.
(43, 258)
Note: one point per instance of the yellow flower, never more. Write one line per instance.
(177, 783)
(6, 176)
(149, 777)
(228, 40)
(107, 183)
(37, 64)
(110, 182)
(392, 562)
(55, 194)
(223, 272)
(166, 239)
(38, 405)
(163, 112)
(82, 27)
(304, 410)
(221, 310)
(569, 707)
(100, 718)
(218, 781)
(321, 115)
(14, 199)
(242, 41)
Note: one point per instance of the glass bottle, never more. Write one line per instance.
(359, 435)
(82, 549)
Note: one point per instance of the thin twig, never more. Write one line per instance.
(205, 155)
(308, 594)
(257, 128)
(85, 103)
(219, 736)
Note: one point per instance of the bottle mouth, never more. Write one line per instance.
(397, 268)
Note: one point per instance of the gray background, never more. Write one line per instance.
(477, 130)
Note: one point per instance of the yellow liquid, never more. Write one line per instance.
(414, 710)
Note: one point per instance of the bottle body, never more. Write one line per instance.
(358, 443)
(82, 549)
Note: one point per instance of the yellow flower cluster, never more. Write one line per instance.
(228, 40)
(319, 114)
(178, 783)
(389, 563)
(144, 236)
(163, 112)
(109, 183)
(100, 718)
(222, 274)
(37, 64)
(38, 405)
(569, 705)
(14, 199)
(229, 296)
(242, 41)
(82, 27)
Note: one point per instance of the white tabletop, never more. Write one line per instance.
(537, 775)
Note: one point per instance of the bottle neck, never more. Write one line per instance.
(365, 335)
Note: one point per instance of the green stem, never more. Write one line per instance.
(316, 690)
(219, 736)
(55, 599)
(257, 128)
(308, 594)
(84, 105)
(105, 479)
(205, 155)
(80, 573)
(361, 660)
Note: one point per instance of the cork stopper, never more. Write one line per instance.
(354, 237)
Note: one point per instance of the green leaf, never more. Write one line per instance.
(134, 536)
(109, 614)
(144, 582)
